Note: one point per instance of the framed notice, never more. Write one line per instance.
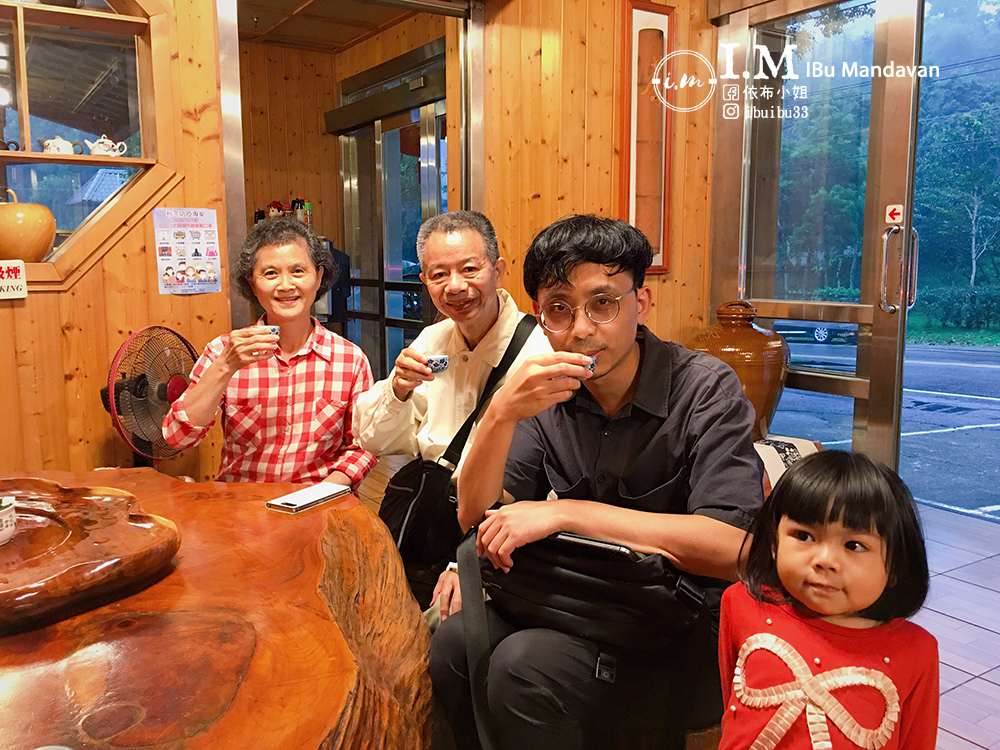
(13, 283)
(187, 250)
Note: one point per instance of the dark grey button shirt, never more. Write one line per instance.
(682, 445)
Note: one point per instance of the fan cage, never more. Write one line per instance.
(138, 383)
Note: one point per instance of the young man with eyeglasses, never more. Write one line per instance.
(651, 450)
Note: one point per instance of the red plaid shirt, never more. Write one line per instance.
(286, 421)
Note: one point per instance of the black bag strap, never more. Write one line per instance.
(477, 635)
(524, 327)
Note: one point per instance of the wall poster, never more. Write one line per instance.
(187, 250)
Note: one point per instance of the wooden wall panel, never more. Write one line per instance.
(38, 356)
(604, 38)
(530, 82)
(571, 164)
(509, 118)
(550, 24)
(410, 33)
(256, 160)
(453, 93)
(85, 349)
(61, 341)
(285, 93)
(553, 125)
(312, 133)
(688, 284)
(331, 196)
(287, 151)
(12, 457)
(273, 89)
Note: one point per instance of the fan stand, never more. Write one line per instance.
(141, 461)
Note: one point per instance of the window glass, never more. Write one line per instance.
(818, 345)
(823, 417)
(809, 155)
(71, 191)
(401, 197)
(406, 305)
(8, 91)
(82, 87)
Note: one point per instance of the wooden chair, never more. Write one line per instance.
(704, 739)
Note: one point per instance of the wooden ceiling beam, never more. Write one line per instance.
(342, 21)
(455, 8)
(298, 43)
(295, 13)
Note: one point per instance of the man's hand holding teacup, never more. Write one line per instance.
(410, 371)
(540, 382)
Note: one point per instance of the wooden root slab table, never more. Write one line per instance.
(267, 631)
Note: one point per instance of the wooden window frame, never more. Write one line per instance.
(150, 22)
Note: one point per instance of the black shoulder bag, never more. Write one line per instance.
(420, 508)
(624, 601)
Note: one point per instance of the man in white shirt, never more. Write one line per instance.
(415, 412)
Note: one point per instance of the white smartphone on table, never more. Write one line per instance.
(309, 497)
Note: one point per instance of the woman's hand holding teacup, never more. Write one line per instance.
(248, 345)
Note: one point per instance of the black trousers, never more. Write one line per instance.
(543, 691)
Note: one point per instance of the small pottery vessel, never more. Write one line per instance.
(104, 146)
(759, 356)
(59, 145)
(26, 230)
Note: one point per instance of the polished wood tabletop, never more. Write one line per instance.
(267, 630)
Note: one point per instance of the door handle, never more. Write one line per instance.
(883, 301)
(911, 273)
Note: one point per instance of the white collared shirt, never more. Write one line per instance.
(425, 423)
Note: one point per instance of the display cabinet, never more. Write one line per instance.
(85, 128)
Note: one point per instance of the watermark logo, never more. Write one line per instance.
(700, 78)
(690, 77)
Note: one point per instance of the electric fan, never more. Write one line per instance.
(149, 372)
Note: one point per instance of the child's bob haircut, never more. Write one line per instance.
(861, 494)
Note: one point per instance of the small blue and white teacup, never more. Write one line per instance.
(437, 362)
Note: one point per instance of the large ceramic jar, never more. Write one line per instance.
(759, 356)
(26, 230)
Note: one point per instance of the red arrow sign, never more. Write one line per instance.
(894, 213)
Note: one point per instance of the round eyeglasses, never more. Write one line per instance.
(557, 317)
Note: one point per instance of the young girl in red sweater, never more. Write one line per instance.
(813, 649)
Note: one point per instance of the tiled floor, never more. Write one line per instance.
(963, 613)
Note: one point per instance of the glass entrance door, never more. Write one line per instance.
(823, 120)
(950, 431)
(394, 179)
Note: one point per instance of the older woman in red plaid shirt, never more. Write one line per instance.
(287, 399)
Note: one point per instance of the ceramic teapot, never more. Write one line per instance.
(59, 145)
(104, 146)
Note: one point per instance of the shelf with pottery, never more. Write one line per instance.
(32, 157)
